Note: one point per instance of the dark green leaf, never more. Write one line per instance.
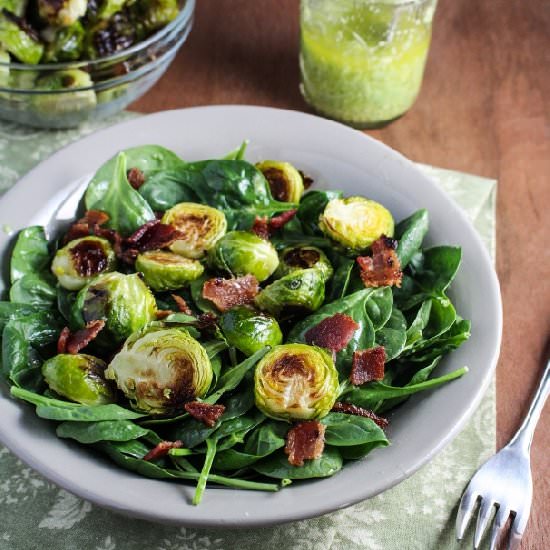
(34, 289)
(346, 430)
(312, 206)
(410, 233)
(105, 430)
(30, 254)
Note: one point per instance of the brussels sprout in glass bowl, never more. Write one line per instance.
(85, 62)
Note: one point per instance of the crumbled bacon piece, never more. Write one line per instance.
(383, 268)
(367, 365)
(305, 441)
(136, 178)
(264, 228)
(153, 235)
(182, 305)
(349, 408)
(87, 225)
(163, 313)
(204, 412)
(62, 340)
(276, 222)
(333, 333)
(73, 342)
(227, 293)
(206, 321)
(261, 228)
(162, 449)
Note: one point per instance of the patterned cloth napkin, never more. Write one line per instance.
(417, 514)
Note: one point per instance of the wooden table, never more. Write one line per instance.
(484, 108)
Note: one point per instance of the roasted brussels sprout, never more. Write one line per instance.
(356, 222)
(159, 369)
(16, 7)
(123, 301)
(243, 253)
(164, 270)
(54, 104)
(108, 8)
(19, 39)
(79, 378)
(285, 182)
(300, 291)
(250, 331)
(293, 258)
(203, 227)
(79, 261)
(61, 13)
(63, 43)
(154, 14)
(296, 382)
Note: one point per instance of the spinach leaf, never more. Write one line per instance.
(370, 395)
(269, 437)
(11, 310)
(164, 189)
(235, 430)
(419, 323)
(379, 306)
(203, 478)
(434, 269)
(393, 336)
(410, 233)
(34, 289)
(56, 409)
(355, 452)
(277, 466)
(346, 430)
(341, 278)
(231, 459)
(21, 339)
(239, 152)
(126, 208)
(312, 206)
(353, 305)
(132, 447)
(30, 254)
(104, 430)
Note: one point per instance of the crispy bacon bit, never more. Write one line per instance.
(163, 313)
(276, 222)
(367, 365)
(62, 340)
(73, 342)
(264, 228)
(349, 408)
(204, 412)
(88, 225)
(136, 178)
(182, 305)
(261, 228)
(153, 235)
(227, 293)
(383, 268)
(206, 321)
(333, 333)
(305, 441)
(162, 449)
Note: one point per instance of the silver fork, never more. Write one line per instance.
(505, 482)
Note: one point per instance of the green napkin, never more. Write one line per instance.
(417, 514)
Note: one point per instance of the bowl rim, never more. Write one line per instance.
(184, 16)
(291, 509)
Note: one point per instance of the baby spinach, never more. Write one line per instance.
(103, 430)
(203, 478)
(113, 194)
(341, 278)
(30, 254)
(34, 289)
(277, 466)
(435, 268)
(347, 430)
(410, 233)
(393, 336)
(312, 206)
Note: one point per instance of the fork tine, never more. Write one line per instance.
(498, 526)
(482, 520)
(465, 510)
(516, 530)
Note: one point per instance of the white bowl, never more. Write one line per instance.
(338, 158)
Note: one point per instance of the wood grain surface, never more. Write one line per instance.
(484, 108)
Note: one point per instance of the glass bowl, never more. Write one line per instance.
(115, 80)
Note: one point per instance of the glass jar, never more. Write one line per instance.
(362, 61)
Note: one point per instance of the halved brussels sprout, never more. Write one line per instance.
(164, 270)
(79, 378)
(203, 227)
(249, 330)
(285, 182)
(159, 369)
(61, 13)
(63, 43)
(79, 261)
(293, 258)
(17, 38)
(123, 301)
(296, 382)
(300, 291)
(154, 14)
(50, 105)
(243, 253)
(356, 222)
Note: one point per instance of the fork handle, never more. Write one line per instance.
(524, 436)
